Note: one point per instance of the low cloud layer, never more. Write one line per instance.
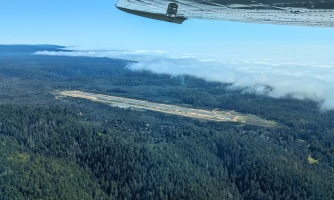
(297, 76)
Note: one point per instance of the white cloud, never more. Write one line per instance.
(302, 76)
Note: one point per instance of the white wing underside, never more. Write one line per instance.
(286, 12)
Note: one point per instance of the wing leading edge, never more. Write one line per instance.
(318, 13)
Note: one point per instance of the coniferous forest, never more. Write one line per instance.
(71, 148)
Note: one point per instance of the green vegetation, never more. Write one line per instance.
(77, 149)
(27, 175)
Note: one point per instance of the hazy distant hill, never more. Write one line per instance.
(6, 50)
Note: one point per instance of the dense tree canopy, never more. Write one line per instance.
(76, 149)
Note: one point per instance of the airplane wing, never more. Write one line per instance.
(318, 13)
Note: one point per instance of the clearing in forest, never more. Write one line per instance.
(214, 115)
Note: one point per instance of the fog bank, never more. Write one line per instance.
(300, 76)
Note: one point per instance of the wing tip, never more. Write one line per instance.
(156, 16)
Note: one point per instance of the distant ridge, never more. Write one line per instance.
(27, 49)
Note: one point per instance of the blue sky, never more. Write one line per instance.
(100, 24)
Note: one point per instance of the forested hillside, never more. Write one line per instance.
(76, 149)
